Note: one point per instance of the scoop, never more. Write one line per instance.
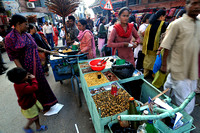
(102, 62)
(99, 63)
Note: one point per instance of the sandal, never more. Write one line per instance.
(28, 130)
(42, 128)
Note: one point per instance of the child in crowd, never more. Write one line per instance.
(25, 85)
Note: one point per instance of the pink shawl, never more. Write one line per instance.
(81, 35)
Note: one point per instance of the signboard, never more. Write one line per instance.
(106, 4)
(11, 6)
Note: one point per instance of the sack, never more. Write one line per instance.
(62, 70)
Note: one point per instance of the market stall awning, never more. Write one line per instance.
(39, 15)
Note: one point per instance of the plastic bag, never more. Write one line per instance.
(123, 71)
(157, 64)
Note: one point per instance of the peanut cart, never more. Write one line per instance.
(138, 83)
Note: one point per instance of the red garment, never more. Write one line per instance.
(25, 94)
(43, 36)
(121, 32)
(55, 37)
(117, 43)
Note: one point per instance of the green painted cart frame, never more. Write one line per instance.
(146, 90)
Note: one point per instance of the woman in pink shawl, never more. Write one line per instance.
(86, 39)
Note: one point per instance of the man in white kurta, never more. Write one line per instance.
(181, 48)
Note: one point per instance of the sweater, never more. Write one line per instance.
(25, 93)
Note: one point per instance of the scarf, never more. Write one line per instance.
(80, 37)
(121, 32)
(157, 38)
(20, 43)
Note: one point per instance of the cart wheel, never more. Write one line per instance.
(61, 82)
(77, 91)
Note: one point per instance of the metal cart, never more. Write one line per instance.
(147, 90)
(71, 65)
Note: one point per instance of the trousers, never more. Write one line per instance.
(101, 42)
(180, 89)
(50, 39)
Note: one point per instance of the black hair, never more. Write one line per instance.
(132, 19)
(102, 18)
(188, 1)
(157, 15)
(113, 16)
(72, 17)
(30, 27)
(17, 19)
(37, 28)
(180, 13)
(62, 27)
(50, 23)
(122, 10)
(84, 23)
(16, 75)
(113, 21)
(147, 16)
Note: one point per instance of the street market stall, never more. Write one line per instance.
(105, 104)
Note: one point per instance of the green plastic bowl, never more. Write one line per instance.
(74, 47)
(120, 61)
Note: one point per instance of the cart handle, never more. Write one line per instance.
(166, 113)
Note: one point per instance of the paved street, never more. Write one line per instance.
(11, 120)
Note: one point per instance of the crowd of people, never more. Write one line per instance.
(138, 42)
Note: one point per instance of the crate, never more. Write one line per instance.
(62, 77)
(56, 76)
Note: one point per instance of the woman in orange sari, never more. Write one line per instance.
(55, 37)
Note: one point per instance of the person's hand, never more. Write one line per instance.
(31, 76)
(159, 50)
(79, 52)
(126, 45)
(163, 69)
(70, 42)
(53, 52)
(135, 44)
(76, 43)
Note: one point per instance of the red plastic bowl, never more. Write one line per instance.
(93, 65)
